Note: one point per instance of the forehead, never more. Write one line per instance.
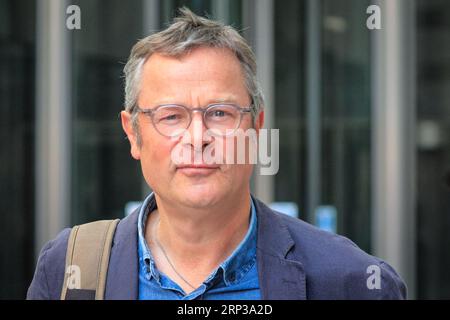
(201, 71)
(206, 59)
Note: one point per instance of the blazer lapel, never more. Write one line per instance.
(280, 278)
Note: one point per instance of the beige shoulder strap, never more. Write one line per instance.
(87, 260)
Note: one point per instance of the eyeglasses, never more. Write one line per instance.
(172, 120)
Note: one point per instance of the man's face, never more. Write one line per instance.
(204, 76)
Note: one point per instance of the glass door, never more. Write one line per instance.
(322, 107)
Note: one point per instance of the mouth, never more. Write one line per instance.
(197, 169)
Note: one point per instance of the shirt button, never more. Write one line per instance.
(232, 277)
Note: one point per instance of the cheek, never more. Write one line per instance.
(156, 157)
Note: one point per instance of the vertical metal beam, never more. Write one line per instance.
(259, 17)
(221, 10)
(313, 97)
(53, 143)
(151, 14)
(393, 140)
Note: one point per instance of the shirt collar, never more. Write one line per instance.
(145, 254)
(233, 268)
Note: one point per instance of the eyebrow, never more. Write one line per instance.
(229, 99)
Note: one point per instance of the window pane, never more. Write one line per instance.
(433, 153)
(290, 113)
(344, 112)
(104, 176)
(346, 148)
(17, 63)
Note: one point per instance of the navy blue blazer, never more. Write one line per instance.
(295, 261)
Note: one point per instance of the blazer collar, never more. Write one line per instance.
(122, 278)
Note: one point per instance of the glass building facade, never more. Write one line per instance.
(364, 119)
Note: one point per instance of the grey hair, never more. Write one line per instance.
(187, 32)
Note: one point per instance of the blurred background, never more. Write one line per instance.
(364, 119)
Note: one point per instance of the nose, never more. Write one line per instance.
(198, 136)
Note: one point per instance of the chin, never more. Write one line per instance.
(201, 198)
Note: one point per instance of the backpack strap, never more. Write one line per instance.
(87, 260)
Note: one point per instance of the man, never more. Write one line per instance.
(200, 234)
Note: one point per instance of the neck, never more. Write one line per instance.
(204, 237)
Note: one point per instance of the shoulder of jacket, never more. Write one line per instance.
(49, 274)
(334, 263)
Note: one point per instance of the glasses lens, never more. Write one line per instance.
(222, 119)
(171, 120)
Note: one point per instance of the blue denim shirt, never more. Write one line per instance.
(236, 278)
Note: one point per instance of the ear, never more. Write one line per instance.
(131, 134)
(259, 121)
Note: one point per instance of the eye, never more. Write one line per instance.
(171, 117)
(218, 113)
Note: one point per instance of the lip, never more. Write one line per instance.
(197, 169)
(198, 166)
